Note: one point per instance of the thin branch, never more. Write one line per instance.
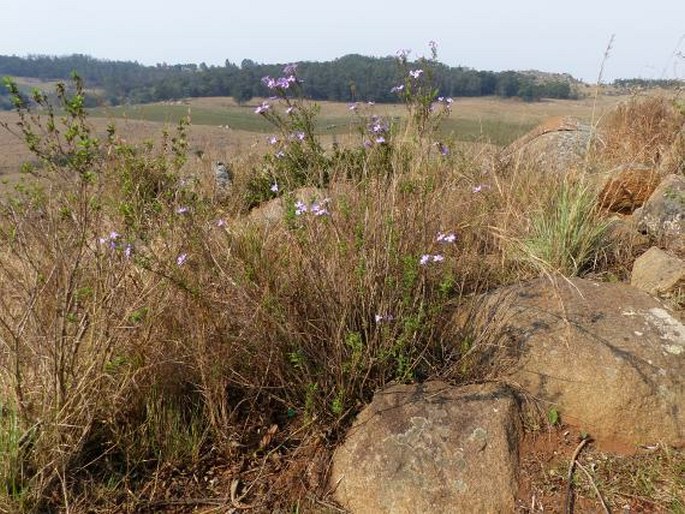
(569, 477)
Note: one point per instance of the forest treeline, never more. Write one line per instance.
(349, 78)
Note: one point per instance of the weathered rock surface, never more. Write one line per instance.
(658, 273)
(627, 188)
(663, 215)
(431, 447)
(609, 357)
(557, 145)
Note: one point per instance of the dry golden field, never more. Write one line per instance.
(222, 129)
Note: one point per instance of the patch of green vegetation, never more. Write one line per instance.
(493, 131)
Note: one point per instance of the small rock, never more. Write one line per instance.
(658, 273)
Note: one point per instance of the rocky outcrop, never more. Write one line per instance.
(431, 447)
(609, 357)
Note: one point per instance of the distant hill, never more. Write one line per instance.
(349, 78)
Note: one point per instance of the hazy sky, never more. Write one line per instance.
(548, 35)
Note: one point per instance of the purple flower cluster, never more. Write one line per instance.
(415, 74)
(316, 208)
(261, 109)
(446, 237)
(397, 89)
(427, 257)
(279, 83)
(381, 318)
(442, 238)
(284, 82)
(378, 130)
(442, 148)
(114, 242)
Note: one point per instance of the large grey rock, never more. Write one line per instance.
(609, 357)
(431, 448)
(663, 215)
(557, 145)
(658, 273)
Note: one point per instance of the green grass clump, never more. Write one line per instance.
(567, 234)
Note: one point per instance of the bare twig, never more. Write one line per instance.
(594, 486)
(569, 477)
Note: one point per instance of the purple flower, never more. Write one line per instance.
(300, 208)
(220, 222)
(181, 259)
(415, 74)
(426, 258)
(378, 126)
(181, 210)
(128, 251)
(448, 237)
(290, 109)
(367, 143)
(478, 188)
(264, 107)
(290, 69)
(280, 154)
(272, 140)
(443, 149)
(274, 187)
(380, 139)
(397, 89)
(370, 104)
(269, 82)
(111, 240)
(284, 82)
(318, 210)
(299, 136)
(380, 318)
(352, 107)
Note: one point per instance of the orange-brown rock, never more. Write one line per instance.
(628, 188)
